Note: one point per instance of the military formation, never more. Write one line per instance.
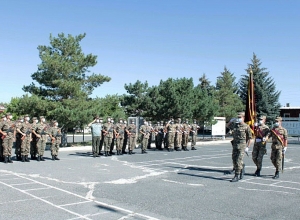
(28, 138)
(171, 135)
(242, 138)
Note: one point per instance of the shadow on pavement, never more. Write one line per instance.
(82, 154)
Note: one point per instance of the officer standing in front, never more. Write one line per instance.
(96, 130)
(279, 145)
(240, 144)
(261, 131)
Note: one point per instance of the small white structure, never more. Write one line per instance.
(219, 129)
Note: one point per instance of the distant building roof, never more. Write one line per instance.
(290, 108)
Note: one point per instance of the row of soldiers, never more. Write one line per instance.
(242, 138)
(172, 135)
(29, 138)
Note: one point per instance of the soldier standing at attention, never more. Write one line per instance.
(261, 131)
(18, 138)
(108, 136)
(41, 132)
(112, 145)
(25, 130)
(185, 135)
(119, 135)
(3, 118)
(240, 144)
(171, 128)
(125, 138)
(7, 129)
(194, 133)
(33, 146)
(96, 129)
(131, 131)
(145, 131)
(55, 134)
(178, 135)
(279, 145)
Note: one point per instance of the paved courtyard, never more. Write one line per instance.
(157, 185)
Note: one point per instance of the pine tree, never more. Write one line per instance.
(266, 95)
(226, 93)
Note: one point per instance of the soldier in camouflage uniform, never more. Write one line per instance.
(185, 135)
(107, 130)
(261, 131)
(19, 141)
(131, 132)
(41, 132)
(125, 138)
(178, 135)
(119, 135)
(240, 144)
(279, 145)
(25, 130)
(55, 134)
(33, 147)
(7, 129)
(171, 129)
(3, 118)
(145, 131)
(194, 133)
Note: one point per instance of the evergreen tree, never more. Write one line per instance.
(266, 95)
(226, 93)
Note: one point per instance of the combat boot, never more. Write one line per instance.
(38, 158)
(235, 178)
(130, 152)
(27, 159)
(242, 172)
(193, 148)
(1, 159)
(23, 158)
(9, 159)
(178, 149)
(5, 159)
(118, 153)
(185, 149)
(53, 157)
(42, 158)
(258, 173)
(276, 176)
(56, 158)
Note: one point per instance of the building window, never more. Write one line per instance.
(286, 115)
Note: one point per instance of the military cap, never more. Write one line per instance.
(262, 117)
(54, 121)
(242, 114)
(20, 118)
(26, 115)
(278, 119)
(8, 114)
(42, 117)
(34, 118)
(96, 117)
(100, 118)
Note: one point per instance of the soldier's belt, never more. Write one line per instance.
(257, 140)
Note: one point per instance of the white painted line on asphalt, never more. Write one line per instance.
(17, 178)
(182, 183)
(265, 190)
(20, 184)
(22, 200)
(26, 190)
(76, 195)
(91, 215)
(76, 203)
(126, 217)
(45, 201)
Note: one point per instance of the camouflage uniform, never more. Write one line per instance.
(119, 134)
(279, 139)
(194, 133)
(171, 129)
(42, 130)
(55, 134)
(241, 135)
(19, 141)
(259, 149)
(7, 127)
(108, 136)
(145, 130)
(1, 140)
(178, 135)
(25, 130)
(185, 135)
(131, 131)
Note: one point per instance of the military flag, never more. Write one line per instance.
(250, 112)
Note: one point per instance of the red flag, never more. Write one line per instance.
(250, 112)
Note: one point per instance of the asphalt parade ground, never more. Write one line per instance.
(156, 185)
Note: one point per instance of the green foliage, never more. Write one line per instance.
(226, 93)
(266, 95)
(62, 73)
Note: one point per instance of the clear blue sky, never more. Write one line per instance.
(155, 39)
